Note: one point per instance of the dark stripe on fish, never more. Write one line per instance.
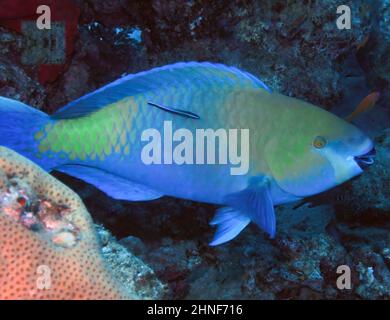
(180, 112)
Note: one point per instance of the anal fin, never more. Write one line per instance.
(114, 186)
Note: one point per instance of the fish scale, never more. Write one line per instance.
(97, 138)
(106, 124)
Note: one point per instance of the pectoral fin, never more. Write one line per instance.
(251, 204)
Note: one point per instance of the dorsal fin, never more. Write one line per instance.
(154, 79)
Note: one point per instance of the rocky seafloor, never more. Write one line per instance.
(295, 48)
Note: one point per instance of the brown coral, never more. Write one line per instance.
(48, 245)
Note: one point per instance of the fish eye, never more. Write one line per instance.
(319, 142)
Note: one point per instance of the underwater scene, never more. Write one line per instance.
(194, 150)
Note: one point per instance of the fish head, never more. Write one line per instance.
(316, 151)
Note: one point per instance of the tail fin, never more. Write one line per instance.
(18, 124)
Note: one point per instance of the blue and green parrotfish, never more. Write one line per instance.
(295, 149)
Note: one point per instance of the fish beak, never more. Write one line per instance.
(366, 159)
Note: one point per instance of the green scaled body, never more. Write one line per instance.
(294, 149)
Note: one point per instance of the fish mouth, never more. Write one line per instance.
(365, 160)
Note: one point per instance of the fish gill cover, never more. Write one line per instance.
(254, 56)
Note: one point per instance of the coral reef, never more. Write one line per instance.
(48, 245)
(130, 270)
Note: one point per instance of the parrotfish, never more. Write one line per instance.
(294, 149)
